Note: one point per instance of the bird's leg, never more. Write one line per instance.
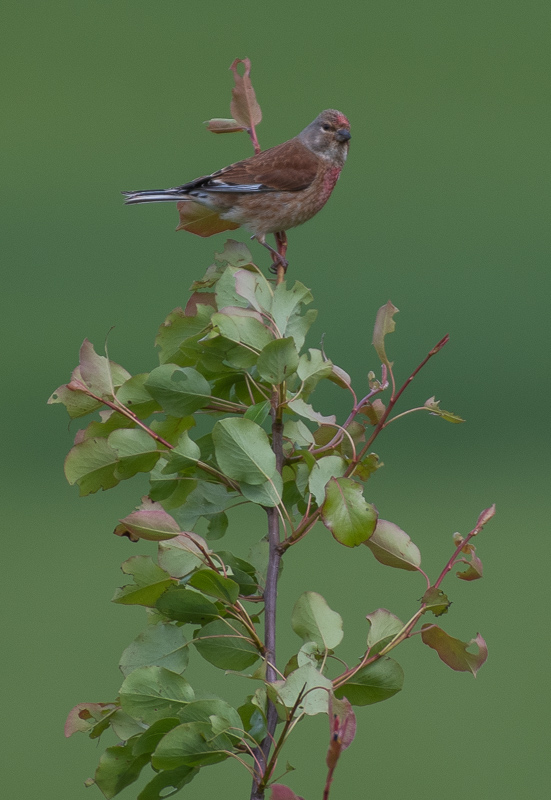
(278, 256)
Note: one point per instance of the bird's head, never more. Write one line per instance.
(328, 136)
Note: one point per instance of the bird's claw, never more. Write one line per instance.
(279, 262)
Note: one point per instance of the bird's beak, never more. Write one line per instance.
(342, 135)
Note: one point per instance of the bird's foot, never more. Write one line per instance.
(279, 262)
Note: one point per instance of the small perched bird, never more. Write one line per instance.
(270, 192)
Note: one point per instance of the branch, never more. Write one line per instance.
(270, 602)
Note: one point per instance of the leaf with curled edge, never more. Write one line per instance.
(474, 569)
(244, 106)
(453, 652)
(392, 547)
(434, 406)
(218, 125)
(150, 521)
(384, 323)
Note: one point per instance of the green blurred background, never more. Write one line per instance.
(443, 207)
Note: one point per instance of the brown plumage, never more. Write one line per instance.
(270, 192)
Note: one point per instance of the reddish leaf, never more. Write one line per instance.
(84, 716)
(453, 652)
(474, 565)
(197, 219)
(281, 792)
(486, 516)
(150, 521)
(340, 711)
(198, 299)
(244, 107)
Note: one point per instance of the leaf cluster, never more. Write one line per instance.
(233, 370)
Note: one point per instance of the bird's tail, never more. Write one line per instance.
(154, 196)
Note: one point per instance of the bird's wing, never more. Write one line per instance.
(288, 167)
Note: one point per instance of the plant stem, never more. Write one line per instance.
(270, 603)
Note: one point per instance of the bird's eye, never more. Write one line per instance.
(326, 127)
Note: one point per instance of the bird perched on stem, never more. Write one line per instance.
(270, 192)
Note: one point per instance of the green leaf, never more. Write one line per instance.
(225, 292)
(99, 374)
(217, 526)
(253, 721)
(110, 421)
(151, 737)
(298, 433)
(191, 744)
(314, 686)
(186, 454)
(226, 645)
(184, 605)
(376, 682)
(150, 522)
(242, 325)
(392, 546)
(367, 466)
(152, 693)
(453, 652)
(118, 768)
(206, 499)
(309, 653)
(91, 465)
(161, 645)
(259, 555)
(136, 451)
(135, 396)
(177, 328)
(340, 377)
(259, 412)
(305, 410)
(312, 368)
(150, 582)
(124, 726)
(180, 391)
(323, 470)
(243, 572)
(384, 324)
(76, 401)
(286, 306)
(436, 601)
(243, 451)
(227, 719)
(210, 582)
(383, 626)
(180, 556)
(278, 360)
(171, 428)
(314, 621)
(299, 325)
(266, 494)
(254, 288)
(171, 778)
(345, 512)
(434, 406)
(236, 254)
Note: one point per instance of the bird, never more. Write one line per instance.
(270, 192)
